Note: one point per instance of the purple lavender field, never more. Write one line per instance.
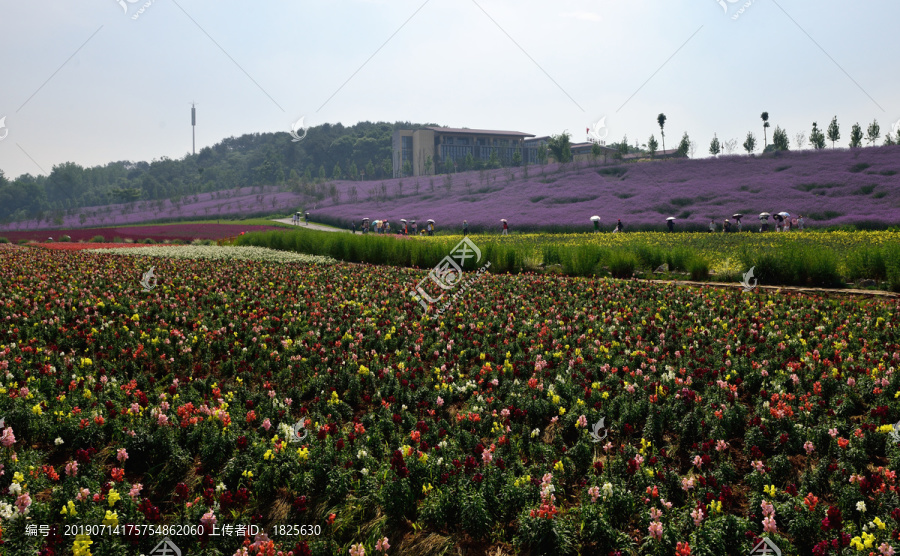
(827, 187)
(202, 206)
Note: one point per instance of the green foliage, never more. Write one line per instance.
(856, 136)
(780, 139)
(98, 239)
(560, 147)
(750, 143)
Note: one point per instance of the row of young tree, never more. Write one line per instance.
(817, 138)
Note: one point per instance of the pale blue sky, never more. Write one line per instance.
(126, 93)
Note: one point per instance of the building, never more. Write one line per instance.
(438, 145)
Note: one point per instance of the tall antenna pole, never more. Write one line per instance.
(194, 127)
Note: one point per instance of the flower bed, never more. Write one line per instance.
(719, 419)
(217, 252)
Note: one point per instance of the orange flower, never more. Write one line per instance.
(843, 442)
(811, 502)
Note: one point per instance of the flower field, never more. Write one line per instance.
(161, 232)
(541, 415)
(216, 253)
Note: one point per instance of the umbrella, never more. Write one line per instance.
(403, 220)
(784, 214)
(764, 215)
(412, 221)
(503, 220)
(431, 221)
(670, 218)
(738, 216)
(595, 218)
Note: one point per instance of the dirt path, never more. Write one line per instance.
(311, 226)
(782, 289)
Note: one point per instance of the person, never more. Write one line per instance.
(671, 225)
(354, 226)
(387, 227)
(505, 228)
(793, 222)
(712, 225)
(306, 219)
(596, 226)
(739, 225)
(405, 228)
(800, 222)
(779, 223)
(619, 226)
(726, 227)
(763, 226)
(431, 228)
(465, 228)
(413, 227)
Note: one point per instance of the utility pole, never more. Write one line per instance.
(194, 127)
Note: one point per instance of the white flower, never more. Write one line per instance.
(220, 487)
(607, 490)
(15, 489)
(6, 510)
(361, 454)
(535, 432)
(364, 470)
(861, 506)
(58, 441)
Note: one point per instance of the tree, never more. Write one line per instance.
(800, 139)
(714, 146)
(816, 137)
(888, 139)
(856, 136)
(874, 132)
(750, 143)
(370, 170)
(561, 147)
(428, 164)
(834, 131)
(322, 172)
(542, 154)
(352, 171)
(336, 173)
(661, 120)
(729, 146)
(765, 119)
(623, 146)
(780, 139)
(517, 157)
(407, 168)
(684, 146)
(651, 145)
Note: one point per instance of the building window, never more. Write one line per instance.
(481, 142)
(448, 140)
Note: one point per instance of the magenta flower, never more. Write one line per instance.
(769, 525)
(122, 455)
(382, 545)
(22, 503)
(656, 530)
(8, 438)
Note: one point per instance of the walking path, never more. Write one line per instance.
(311, 226)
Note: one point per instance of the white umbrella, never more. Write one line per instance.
(764, 215)
(670, 218)
(431, 221)
(737, 216)
(595, 218)
(784, 214)
(403, 220)
(503, 220)
(412, 221)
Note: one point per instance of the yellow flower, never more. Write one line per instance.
(303, 453)
(605, 395)
(562, 410)
(426, 488)
(114, 497)
(82, 545)
(111, 519)
(268, 455)
(86, 362)
(69, 509)
(248, 474)
(878, 523)
(558, 466)
(770, 490)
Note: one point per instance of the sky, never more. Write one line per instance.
(96, 81)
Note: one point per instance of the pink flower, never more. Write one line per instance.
(687, 483)
(357, 550)
(721, 446)
(122, 455)
(162, 420)
(83, 495)
(582, 421)
(851, 382)
(555, 419)
(833, 432)
(767, 508)
(809, 447)
(266, 424)
(656, 530)
(208, 520)
(382, 545)
(486, 456)
(135, 490)
(504, 412)
(440, 401)
(135, 408)
(655, 514)
(288, 402)
(698, 462)
(769, 525)
(8, 438)
(886, 549)
(594, 492)
(698, 516)
(758, 465)
(22, 503)
(72, 468)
